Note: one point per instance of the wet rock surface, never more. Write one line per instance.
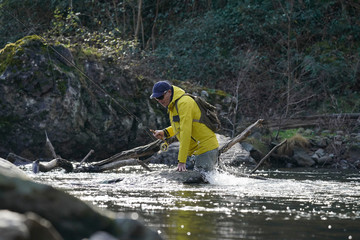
(50, 211)
(28, 226)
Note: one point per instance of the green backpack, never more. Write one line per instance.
(208, 113)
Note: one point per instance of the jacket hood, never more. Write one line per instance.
(177, 93)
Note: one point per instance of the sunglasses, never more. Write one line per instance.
(162, 96)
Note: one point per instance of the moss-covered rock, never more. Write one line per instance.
(82, 102)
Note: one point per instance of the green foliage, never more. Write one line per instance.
(199, 50)
(346, 103)
(65, 25)
(26, 17)
(285, 134)
(67, 29)
(276, 57)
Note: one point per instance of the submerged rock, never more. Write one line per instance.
(187, 177)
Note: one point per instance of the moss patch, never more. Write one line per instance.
(9, 54)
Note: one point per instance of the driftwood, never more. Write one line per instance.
(125, 158)
(239, 137)
(128, 158)
(56, 163)
(314, 120)
(41, 166)
(137, 152)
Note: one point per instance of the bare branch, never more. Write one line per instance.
(86, 157)
(268, 155)
(49, 145)
(239, 137)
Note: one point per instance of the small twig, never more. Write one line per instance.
(267, 155)
(86, 157)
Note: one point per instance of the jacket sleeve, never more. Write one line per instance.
(186, 120)
(168, 132)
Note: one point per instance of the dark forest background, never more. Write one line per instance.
(274, 58)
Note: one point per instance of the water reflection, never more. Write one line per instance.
(289, 205)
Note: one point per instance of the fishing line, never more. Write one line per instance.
(31, 29)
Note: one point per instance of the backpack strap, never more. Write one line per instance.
(177, 109)
(194, 120)
(176, 101)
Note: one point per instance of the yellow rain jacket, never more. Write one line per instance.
(194, 137)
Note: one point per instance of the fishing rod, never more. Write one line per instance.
(31, 29)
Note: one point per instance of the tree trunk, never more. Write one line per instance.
(138, 22)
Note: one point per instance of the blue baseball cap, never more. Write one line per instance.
(160, 88)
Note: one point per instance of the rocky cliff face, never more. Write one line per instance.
(81, 102)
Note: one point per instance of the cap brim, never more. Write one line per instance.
(156, 95)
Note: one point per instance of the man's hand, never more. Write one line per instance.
(159, 134)
(181, 167)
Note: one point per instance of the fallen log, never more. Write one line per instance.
(142, 151)
(111, 166)
(313, 120)
(41, 166)
(131, 158)
(56, 163)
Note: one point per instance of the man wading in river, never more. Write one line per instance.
(195, 138)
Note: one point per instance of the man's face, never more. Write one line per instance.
(164, 100)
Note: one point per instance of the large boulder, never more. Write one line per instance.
(72, 218)
(93, 104)
(10, 170)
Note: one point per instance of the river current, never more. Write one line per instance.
(290, 204)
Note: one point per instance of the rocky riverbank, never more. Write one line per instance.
(84, 101)
(310, 148)
(306, 148)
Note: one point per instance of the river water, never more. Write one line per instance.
(296, 204)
